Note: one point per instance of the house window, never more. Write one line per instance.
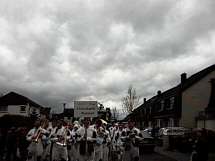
(171, 122)
(34, 111)
(22, 109)
(143, 111)
(176, 122)
(167, 103)
(172, 102)
(3, 108)
(158, 122)
(160, 106)
(150, 109)
(149, 124)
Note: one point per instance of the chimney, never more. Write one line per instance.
(159, 93)
(183, 78)
(144, 100)
(64, 106)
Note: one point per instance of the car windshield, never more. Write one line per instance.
(145, 134)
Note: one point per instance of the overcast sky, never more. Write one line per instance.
(56, 51)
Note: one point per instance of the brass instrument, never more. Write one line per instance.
(62, 141)
(101, 131)
(39, 132)
(100, 136)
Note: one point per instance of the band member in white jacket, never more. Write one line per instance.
(73, 152)
(59, 149)
(102, 141)
(106, 144)
(131, 151)
(51, 129)
(86, 141)
(35, 149)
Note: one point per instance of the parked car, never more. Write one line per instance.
(173, 131)
(148, 130)
(178, 138)
(146, 143)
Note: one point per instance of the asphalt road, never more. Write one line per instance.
(154, 157)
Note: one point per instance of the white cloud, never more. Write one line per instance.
(58, 50)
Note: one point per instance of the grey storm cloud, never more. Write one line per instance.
(60, 51)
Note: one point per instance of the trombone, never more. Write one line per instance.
(63, 141)
(39, 132)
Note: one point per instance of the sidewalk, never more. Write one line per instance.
(178, 155)
(173, 154)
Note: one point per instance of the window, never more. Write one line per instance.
(22, 109)
(160, 106)
(167, 104)
(147, 111)
(158, 123)
(171, 122)
(176, 122)
(172, 102)
(143, 111)
(149, 124)
(33, 111)
(3, 108)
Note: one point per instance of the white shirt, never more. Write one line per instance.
(133, 129)
(90, 131)
(31, 134)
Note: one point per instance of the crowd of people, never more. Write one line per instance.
(82, 140)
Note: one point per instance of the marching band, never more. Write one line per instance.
(82, 141)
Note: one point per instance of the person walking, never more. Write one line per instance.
(86, 141)
(73, 152)
(35, 148)
(131, 151)
(11, 145)
(59, 149)
(200, 152)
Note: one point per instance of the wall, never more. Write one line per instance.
(33, 110)
(210, 124)
(195, 99)
(14, 110)
(200, 124)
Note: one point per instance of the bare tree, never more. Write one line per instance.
(130, 101)
(115, 113)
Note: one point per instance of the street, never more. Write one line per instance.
(154, 157)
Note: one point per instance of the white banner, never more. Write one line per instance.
(85, 109)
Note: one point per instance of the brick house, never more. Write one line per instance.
(180, 105)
